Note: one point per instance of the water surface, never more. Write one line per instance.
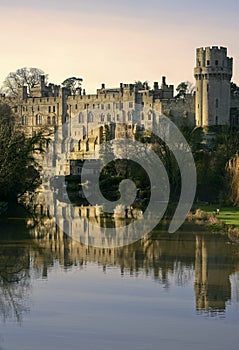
(175, 291)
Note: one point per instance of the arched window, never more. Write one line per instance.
(90, 117)
(150, 115)
(48, 120)
(81, 118)
(38, 119)
(24, 120)
(53, 120)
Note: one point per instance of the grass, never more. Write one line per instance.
(229, 215)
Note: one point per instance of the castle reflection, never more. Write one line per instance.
(189, 256)
(203, 260)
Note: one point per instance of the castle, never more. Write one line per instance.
(124, 110)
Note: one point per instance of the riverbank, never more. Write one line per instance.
(217, 219)
(228, 215)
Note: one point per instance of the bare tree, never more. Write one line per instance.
(29, 77)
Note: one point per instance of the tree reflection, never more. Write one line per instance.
(201, 259)
(14, 281)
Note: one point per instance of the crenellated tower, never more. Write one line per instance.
(213, 73)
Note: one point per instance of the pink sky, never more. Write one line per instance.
(111, 45)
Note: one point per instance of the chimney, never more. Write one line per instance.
(156, 85)
(163, 80)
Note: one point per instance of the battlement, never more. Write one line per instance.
(215, 57)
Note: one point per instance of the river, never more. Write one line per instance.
(166, 291)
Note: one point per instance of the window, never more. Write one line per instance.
(216, 63)
(79, 145)
(49, 109)
(75, 107)
(81, 118)
(54, 109)
(108, 105)
(217, 103)
(53, 120)
(102, 106)
(118, 117)
(102, 118)
(208, 63)
(129, 116)
(130, 104)
(216, 121)
(150, 115)
(24, 120)
(142, 116)
(108, 117)
(38, 119)
(90, 117)
(48, 120)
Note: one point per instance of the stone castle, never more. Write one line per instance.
(120, 112)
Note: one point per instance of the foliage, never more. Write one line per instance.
(19, 170)
(234, 89)
(29, 77)
(139, 85)
(73, 84)
(232, 169)
(183, 89)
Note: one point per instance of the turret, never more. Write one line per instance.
(213, 73)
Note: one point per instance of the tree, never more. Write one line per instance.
(183, 89)
(139, 85)
(29, 77)
(232, 169)
(73, 84)
(19, 170)
(234, 89)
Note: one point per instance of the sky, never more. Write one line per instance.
(110, 42)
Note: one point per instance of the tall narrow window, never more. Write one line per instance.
(38, 119)
(81, 118)
(24, 120)
(217, 103)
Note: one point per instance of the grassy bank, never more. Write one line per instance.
(228, 215)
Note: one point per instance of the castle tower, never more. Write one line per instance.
(213, 73)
